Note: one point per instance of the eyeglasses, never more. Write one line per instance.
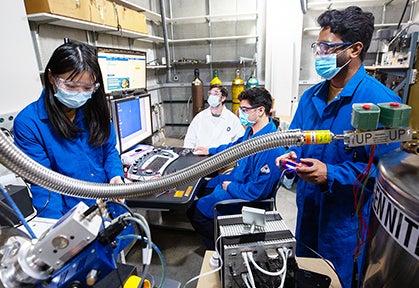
(71, 85)
(214, 93)
(246, 109)
(324, 48)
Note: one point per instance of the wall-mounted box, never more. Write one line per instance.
(131, 20)
(78, 9)
(103, 12)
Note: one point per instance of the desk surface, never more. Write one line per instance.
(178, 196)
(312, 264)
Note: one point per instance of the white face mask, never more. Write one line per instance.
(244, 119)
(72, 99)
(326, 65)
(213, 100)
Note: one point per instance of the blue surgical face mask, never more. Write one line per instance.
(72, 99)
(213, 100)
(326, 65)
(244, 119)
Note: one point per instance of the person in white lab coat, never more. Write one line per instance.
(215, 125)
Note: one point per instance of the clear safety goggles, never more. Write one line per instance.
(214, 93)
(76, 86)
(247, 109)
(324, 48)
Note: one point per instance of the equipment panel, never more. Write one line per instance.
(151, 164)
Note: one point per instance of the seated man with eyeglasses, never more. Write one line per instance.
(253, 178)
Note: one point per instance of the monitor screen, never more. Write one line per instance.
(132, 120)
(122, 70)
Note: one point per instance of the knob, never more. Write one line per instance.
(91, 277)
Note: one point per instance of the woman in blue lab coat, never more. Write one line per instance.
(68, 129)
(253, 178)
(327, 193)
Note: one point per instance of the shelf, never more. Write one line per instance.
(376, 26)
(206, 84)
(309, 82)
(387, 67)
(156, 66)
(323, 5)
(225, 38)
(219, 63)
(213, 18)
(58, 20)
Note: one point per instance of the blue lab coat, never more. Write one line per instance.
(326, 219)
(76, 158)
(253, 178)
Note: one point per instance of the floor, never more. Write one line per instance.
(182, 248)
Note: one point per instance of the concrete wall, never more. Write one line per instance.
(283, 50)
(19, 74)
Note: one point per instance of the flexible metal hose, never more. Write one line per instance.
(18, 162)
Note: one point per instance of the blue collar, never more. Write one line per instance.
(42, 111)
(268, 128)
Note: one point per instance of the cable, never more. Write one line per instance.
(362, 229)
(43, 207)
(146, 253)
(246, 280)
(155, 248)
(18, 162)
(102, 209)
(250, 275)
(284, 255)
(360, 184)
(401, 17)
(269, 273)
(108, 204)
(17, 211)
(401, 32)
(209, 272)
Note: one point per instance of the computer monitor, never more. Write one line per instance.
(122, 70)
(132, 119)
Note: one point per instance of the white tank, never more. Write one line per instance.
(393, 251)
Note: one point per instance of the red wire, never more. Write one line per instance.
(359, 201)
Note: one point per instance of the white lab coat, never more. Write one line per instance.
(209, 131)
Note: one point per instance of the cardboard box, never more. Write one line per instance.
(103, 12)
(131, 20)
(78, 9)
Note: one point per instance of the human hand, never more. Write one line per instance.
(225, 184)
(117, 180)
(314, 171)
(200, 150)
(287, 156)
